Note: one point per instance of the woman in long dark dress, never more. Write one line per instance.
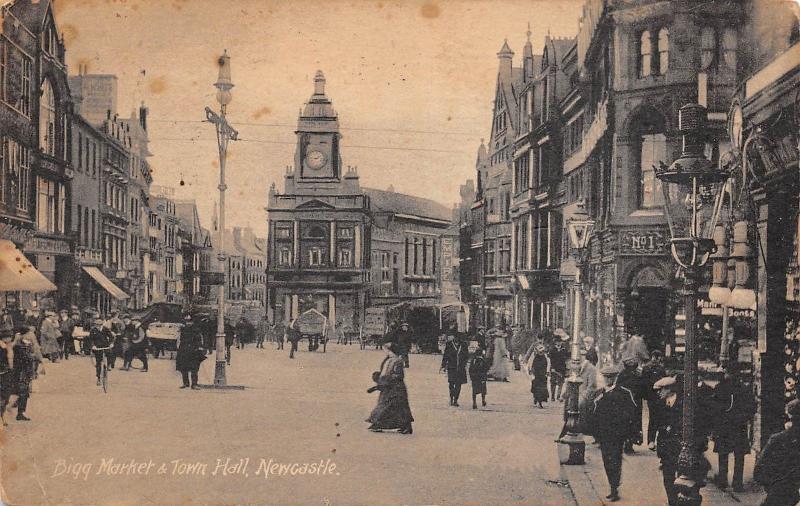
(539, 364)
(392, 411)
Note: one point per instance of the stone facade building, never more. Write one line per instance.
(337, 247)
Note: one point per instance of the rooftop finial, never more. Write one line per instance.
(319, 83)
(528, 33)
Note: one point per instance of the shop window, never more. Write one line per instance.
(284, 257)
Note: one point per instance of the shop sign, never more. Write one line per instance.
(15, 234)
(713, 309)
(447, 258)
(635, 242)
(45, 246)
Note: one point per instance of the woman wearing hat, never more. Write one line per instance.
(538, 366)
(49, 334)
(392, 410)
(501, 370)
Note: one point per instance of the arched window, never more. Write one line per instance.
(648, 148)
(47, 119)
(729, 46)
(652, 151)
(708, 46)
(663, 51)
(645, 54)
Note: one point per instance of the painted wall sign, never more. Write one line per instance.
(43, 245)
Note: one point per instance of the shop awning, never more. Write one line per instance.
(17, 274)
(106, 283)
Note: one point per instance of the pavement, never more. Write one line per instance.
(148, 442)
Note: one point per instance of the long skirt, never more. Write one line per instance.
(539, 389)
(393, 410)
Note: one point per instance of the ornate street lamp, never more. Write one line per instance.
(580, 228)
(693, 196)
(225, 133)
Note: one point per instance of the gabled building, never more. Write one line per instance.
(35, 110)
(490, 227)
(538, 190)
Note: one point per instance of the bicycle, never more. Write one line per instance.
(104, 366)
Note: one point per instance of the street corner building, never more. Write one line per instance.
(580, 128)
(339, 248)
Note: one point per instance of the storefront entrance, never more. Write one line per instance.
(646, 314)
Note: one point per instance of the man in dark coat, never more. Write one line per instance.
(736, 407)
(66, 325)
(652, 371)
(778, 466)
(454, 360)
(190, 353)
(293, 336)
(611, 423)
(630, 378)
(669, 428)
(478, 368)
(101, 340)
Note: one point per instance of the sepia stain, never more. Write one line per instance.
(157, 85)
(449, 118)
(215, 164)
(430, 11)
(380, 5)
(264, 111)
(70, 33)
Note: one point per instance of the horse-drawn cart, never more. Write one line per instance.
(313, 325)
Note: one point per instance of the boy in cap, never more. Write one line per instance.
(612, 423)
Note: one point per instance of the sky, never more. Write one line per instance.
(413, 83)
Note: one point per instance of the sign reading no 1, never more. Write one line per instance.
(643, 243)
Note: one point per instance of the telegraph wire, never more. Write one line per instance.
(360, 129)
(347, 146)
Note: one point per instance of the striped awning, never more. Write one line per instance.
(101, 279)
(17, 274)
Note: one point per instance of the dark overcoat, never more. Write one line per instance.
(454, 360)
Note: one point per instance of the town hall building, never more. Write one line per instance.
(339, 248)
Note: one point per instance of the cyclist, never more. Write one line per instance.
(102, 342)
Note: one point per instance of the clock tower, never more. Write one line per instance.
(317, 159)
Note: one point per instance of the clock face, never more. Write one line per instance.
(316, 160)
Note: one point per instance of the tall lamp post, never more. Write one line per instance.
(580, 228)
(225, 133)
(693, 196)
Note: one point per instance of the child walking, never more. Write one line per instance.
(478, 368)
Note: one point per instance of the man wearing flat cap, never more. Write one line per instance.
(669, 429)
(611, 423)
(778, 466)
